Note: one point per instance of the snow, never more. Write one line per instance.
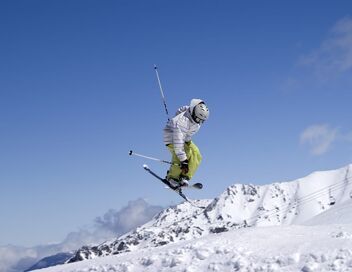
(278, 248)
(340, 213)
(302, 225)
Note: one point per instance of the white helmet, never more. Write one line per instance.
(200, 113)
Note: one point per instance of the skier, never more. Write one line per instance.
(177, 137)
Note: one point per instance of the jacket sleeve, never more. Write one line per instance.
(188, 139)
(182, 109)
(179, 142)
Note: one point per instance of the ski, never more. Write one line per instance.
(197, 186)
(176, 189)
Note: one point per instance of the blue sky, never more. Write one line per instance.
(78, 91)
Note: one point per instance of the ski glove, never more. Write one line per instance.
(184, 167)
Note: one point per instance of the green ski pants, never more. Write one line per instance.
(194, 158)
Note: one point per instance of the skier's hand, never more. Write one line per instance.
(184, 167)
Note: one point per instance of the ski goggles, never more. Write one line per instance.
(197, 119)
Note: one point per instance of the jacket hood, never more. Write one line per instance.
(194, 102)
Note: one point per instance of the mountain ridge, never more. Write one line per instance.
(239, 206)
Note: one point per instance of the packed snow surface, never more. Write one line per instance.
(279, 248)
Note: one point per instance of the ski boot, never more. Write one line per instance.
(182, 181)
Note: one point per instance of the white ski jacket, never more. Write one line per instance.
(181, 128)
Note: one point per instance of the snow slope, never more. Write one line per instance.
(238, 206)
(279, 248)
(340, 214)
(247, 228)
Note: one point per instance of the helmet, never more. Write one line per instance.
(200, 113)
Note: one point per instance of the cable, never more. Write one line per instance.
(303, 200)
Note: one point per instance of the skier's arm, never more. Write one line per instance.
(182, 109)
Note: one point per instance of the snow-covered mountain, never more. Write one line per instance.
(59, 258)
(239, 206)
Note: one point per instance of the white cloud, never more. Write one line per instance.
(334, 55)
(133, 215)
(111, 224)
(10, 256)
(319, 138)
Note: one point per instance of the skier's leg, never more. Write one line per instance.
(194, 159)
(174, 171)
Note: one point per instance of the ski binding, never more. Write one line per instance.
(177, 189)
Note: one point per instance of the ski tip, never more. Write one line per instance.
(146, 167)
(198, 185)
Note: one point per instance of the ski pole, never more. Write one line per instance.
(161, 91)
(150, 158)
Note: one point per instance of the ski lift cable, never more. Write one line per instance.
(279, 212)
(299, 201)
(306, 199)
